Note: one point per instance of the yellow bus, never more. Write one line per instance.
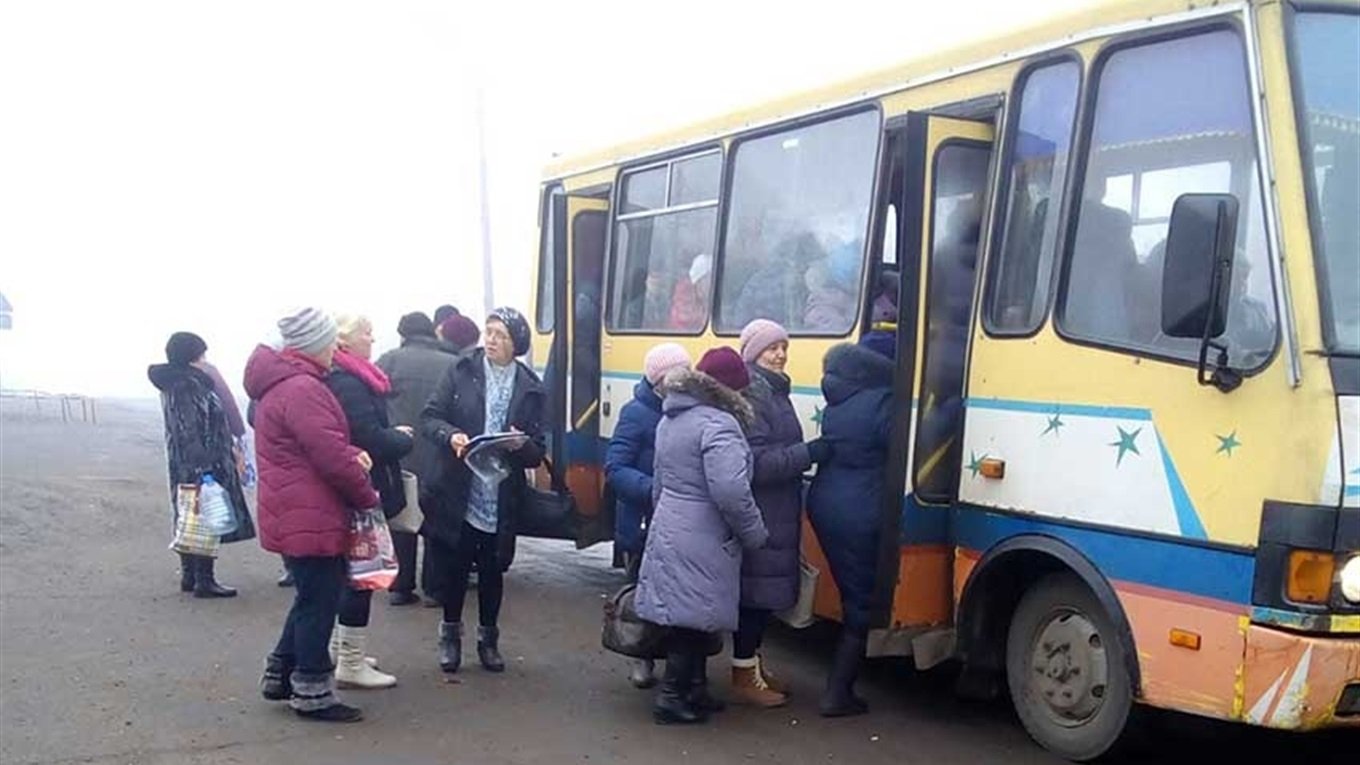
(1126, 464)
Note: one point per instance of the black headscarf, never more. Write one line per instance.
(184, 348)
(519, 328)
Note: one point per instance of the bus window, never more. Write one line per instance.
(793, 249)
(553, 203)
(960, 183)
(1039, 145)
(663, 244)
(1170, 118)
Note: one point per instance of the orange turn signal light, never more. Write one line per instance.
(1185, 639)
(1310, 576)
(992, 468)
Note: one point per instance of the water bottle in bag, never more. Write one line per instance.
(215, 507)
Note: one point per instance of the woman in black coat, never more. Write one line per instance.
(468, 521)
(198, 442)
(846, 497)
(362, 390)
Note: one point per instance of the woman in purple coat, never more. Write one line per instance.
(704, 516)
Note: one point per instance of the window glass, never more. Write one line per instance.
(663, 270)
(696, 180)
(663, 248)
(1176, 117)
(644, 190)
(553, 208)
(956, 222)
(1018, 293)
(1329, 81)
(799, 210)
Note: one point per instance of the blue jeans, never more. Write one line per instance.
(319, 584)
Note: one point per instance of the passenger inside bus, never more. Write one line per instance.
(689, 300)
(776, 290)
(832, 286)
(1099, 303)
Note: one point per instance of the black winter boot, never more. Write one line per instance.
(314, 699)
(276, 684)
(186, 573)
(698, 694)
(673, 705)
(205, 584)
(840, 700)
(450, 646)
(488, 651)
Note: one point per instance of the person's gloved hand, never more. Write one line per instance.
(819, 450)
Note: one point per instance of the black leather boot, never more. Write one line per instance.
(186, 573)
(673, 705)
(699, 696)
(840, 700)
(488, 650)
(205, 584)
(450, 646)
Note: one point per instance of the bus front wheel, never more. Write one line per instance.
(1066, 670)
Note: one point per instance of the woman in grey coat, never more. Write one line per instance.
(703, 517)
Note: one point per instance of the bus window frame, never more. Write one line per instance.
(1307, 162)
(1076, 184)
(611, 244)
(549, 260)
(992, 254)
(725, 206)
(928, 257)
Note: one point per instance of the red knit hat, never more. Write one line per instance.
(460, 332)
(725, 365)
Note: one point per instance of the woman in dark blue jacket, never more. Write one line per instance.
(846, 496)
(628, 467)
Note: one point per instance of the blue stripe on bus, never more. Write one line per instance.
(1218, 574)
(1186, 515)
(1082, 410)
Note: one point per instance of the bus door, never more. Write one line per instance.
(945, 164)
(574, 240)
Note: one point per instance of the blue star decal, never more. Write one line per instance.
(975, 463)
(1055, 425)
(1227, 443)
(818, 416)
(1128, 442)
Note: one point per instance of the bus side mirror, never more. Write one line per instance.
(1198, 270)
(1197, 276)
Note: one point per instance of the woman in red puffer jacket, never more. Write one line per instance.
(311, 482)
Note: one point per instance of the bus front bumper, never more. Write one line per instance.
(1300, 682)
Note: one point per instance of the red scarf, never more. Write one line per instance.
(365, 370)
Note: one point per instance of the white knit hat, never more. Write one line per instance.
(308, 330)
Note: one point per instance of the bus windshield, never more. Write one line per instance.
(1329, 83)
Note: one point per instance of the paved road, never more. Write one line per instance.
(103, 661)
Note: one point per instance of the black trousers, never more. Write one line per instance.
(750, 632)
(406, 545)
(355, 606)
(474, 547)
(319, 583)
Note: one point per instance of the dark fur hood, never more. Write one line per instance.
(849, 369)
(685, 388)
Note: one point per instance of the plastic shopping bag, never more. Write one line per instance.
(372, 558)
(215, 507)
(192, 535)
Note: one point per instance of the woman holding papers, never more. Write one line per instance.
(470, 514)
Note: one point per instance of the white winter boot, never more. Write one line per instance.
(335, 649)
(351, 671)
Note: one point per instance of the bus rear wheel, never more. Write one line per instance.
(1066, 669)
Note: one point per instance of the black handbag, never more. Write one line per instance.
(549, 513)
(628, 634)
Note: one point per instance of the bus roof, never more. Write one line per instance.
(1102, 15)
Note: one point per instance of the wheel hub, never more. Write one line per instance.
(1070, 670)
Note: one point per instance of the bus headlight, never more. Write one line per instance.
(1350, 580)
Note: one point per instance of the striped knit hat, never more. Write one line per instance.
(309, 330)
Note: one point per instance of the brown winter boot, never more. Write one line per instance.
(774, 683)
(749, 688)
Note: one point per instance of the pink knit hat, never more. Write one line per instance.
(759, 335)
(662, 359)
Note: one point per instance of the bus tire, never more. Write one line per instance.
(1067, 671)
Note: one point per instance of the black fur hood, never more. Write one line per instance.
(849, 368)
